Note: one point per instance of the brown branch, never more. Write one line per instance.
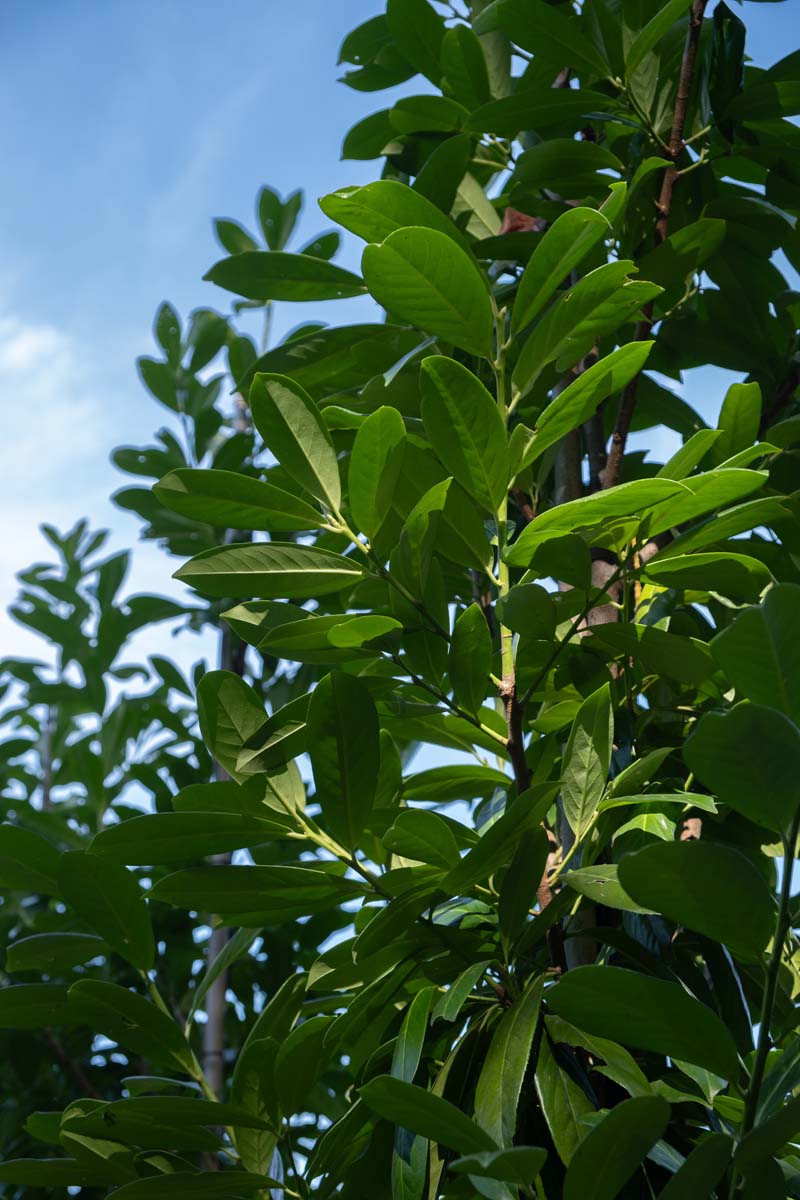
(613, 470)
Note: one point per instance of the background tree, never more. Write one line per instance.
(511, 972)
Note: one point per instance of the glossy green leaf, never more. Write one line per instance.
(424, 836)
(469, 658)
(272, 570)
(769, 1137)
(702, 1171)
(750, 758)
(736, 575)
(657, 651)
(647, 1013)
(230, 712)
(602, 884)
(739, 421)
(568, 240)
(35, 1006)
(564, 1104)
(378, 209)
(108, 899)
(587, 759)
(233, 501)
(28, 862)
(427, 114)
(706, 886)
(255, 894)
(418, 31)
(500, 1082)
(376, 461)
(648, 38)
(53, 952)
(465, 429)
(464, 67)
(422, 276)
(572, 168)
(760, 651)
(613, 1149)
(274, 275)
(176, 837)
(535, 25)
(136, 1023)
(538, 108)
(497, 844)
(292, 428)
(411, 1039)
(280, 738)
(343, 741)
(692, 452)
(422, 1112)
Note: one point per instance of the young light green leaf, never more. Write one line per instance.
(292, 428)
(568, 240)
(274, 275)
(465, 429)
(108, 898)
(343, 740)
(423, 277)
(647, 1013)
(587, 759)
(612, 1150)
(469, 659)
(500, 1081)
(375, 464)
(271, 570)
(233, 501)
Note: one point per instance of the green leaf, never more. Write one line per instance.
(535, 25)
(421, 276)
(496, 846)
(292, 428)
(272, 570)
(518, 1165)
(739, 421)
(529, 610)
(613, 1149)
(110, 901)
(564, 1104)
(687, 660)
(34, 1006)
(581, 398)
(56, 1173)
(768, 1138)
(450, 1004)
(423, 836)
(176, 837)
(27, 861)
(233, 501)
(750, 758)
(538, 108)
(235, 947)
(183, 1185)
(418, 31)
(648, 38)
(375, 211)
(461, 781)
(469, 658)
(587, 759)
(280, 738)
(684, 461)
(230, 712)
(411, 1039)
(273, 275)
(256, 895)
(464, 67)
(760, 651)
(376, 461)
(702, 1170)
(500, 1081)
(571, 168)
(53, 952)
(465, 429)
(766, 98)
(706, 886)
(137, 1024)
(602, 885)
(427, 114)
(596, 305)
(344, 745)
(301, 1060)
(413, 1108)
(568, 240)
(647, 1013)
(735, 575)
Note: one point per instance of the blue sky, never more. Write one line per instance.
(128, 125)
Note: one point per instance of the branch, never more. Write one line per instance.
(612, 474)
